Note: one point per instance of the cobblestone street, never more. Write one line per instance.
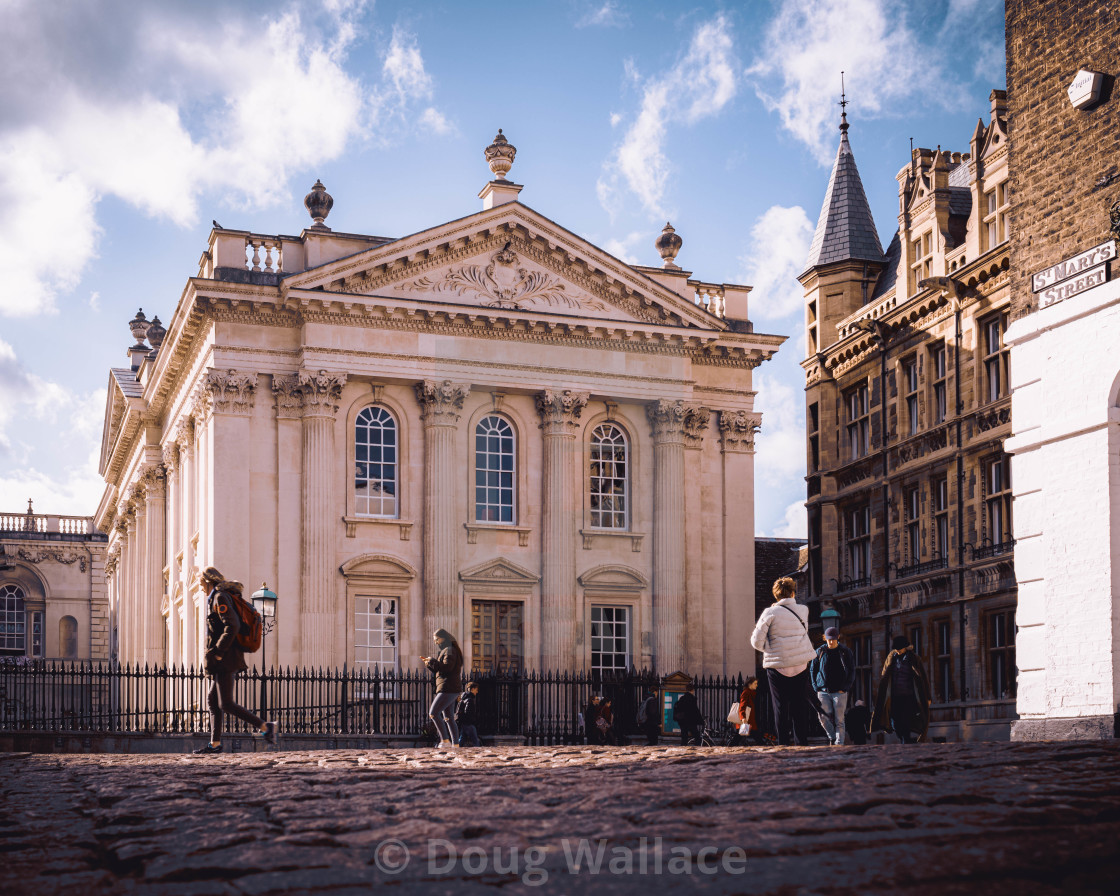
(992, 818)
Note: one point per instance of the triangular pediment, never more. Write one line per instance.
(122, 392)
(499, 571)
(508, 258)
(995, 141)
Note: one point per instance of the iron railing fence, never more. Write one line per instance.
(111, 698)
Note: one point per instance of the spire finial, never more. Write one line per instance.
(843, 107)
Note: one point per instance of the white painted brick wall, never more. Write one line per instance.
(1066, 479)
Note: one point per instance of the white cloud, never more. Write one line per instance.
(701, 83)
(780, 445)
(779, 245)
(794, 524)
(605, 15)
(95, 300)
(625, 249)
(808, 44)
(158, 104)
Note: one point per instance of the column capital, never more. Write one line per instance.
(560, 411)
(153, 479)
(228, 392)
(183, 434)
(321, 392)
(737, 429)
(287, 395)
(696, 420)
(171, 458)
(441, 402)
(672, 421)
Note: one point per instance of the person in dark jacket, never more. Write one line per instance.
(448, 667)
(856, 721)
(467, 717)
(833, 672)
(649, 718)
(591, 721)
(687, 715)
(902, 704)
(224, 659)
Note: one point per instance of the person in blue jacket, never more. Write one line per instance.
(833, 672)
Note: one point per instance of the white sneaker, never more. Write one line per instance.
(443, 745)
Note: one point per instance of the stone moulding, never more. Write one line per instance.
(589, 536)
(523, 532)
(353, 523)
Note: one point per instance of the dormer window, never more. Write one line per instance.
(921, 258)
(995, 217)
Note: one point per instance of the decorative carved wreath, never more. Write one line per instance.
(1114, 220)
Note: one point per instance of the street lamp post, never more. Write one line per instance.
(264, 601)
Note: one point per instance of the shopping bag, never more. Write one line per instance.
(733, 714)
(745, 729)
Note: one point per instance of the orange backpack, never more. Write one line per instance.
(251, 632)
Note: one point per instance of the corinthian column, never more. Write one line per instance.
(560, 508)
(667, 418)
(440, 406)
(321, 394)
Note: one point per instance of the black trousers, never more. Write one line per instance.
(904, 713)
(690, 734)
(652, 731)
(790, 698)
(221, 702)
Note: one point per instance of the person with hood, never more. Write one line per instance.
(903, 701)
(833, 672)
(782, 634)
(467, 717)
(448, 667)
(224, 659)
(687, 715)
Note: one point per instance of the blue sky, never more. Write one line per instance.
(126, 127)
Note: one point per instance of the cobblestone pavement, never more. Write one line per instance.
(938, 818)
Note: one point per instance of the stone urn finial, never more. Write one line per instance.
(139, 326)
(319, 204)
(669, 244)
(500, 155)
(156, 332)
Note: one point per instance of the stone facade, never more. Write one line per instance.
(908, 405)
(489, 426)
(1066, 377)
(53, 602)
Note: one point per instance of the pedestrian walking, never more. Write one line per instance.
(748, 721)
(782, 634)
(649, 718)
(833, 672)
(605, 722)
(224, 659)
(903, 701)
(466, 716)
(856, 722)
(448, 667)
(687, 715)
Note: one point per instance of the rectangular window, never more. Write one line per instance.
(910, 392)
(921, 256)
(858, 430)
(37, 634)
(997, 499)
(861, 689)
(995, 216)
(375, 633)
(940, 385)
(943, 661)
(1001, 653)
(995, 358)
(497, 635)
(913, 506)
(859, 544)
(610, 639)
(914, 633)
(940, 491)
(814, 438)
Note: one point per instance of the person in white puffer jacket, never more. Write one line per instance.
(782, 634)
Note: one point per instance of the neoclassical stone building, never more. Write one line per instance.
(490, 426)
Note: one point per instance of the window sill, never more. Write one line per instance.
(523, 532)
(589, 536)
(352, 523)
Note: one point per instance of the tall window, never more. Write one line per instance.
(13, 621)
(940, 489)
(859, 543)
(375, 633)
(940, 385)
(494, 473)
(997, 500)
(609, 484)
(995, 358)
(921, 255)
(610, 639)
(943, 660)
(913, 501)
(914, 633)
(861, 689)
(858, 422)
(995, 216)
(1001, 653)
(910, 390)
(375, 461)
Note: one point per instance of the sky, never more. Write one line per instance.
(126, 128)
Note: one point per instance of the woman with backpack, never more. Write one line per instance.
(448, 667)
(224, 658)
(782, 634)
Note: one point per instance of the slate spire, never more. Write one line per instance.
(845, 229)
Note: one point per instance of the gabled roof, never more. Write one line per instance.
(125, 394)
(845, 229)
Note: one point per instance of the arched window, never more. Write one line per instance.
(494, 471)
(610, 473)
(375, 462)
(13, 621)
(68, 637)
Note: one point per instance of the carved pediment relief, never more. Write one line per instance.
(378, 566)
(499, 571)
(614, 578)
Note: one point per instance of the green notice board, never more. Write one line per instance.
(668, 703)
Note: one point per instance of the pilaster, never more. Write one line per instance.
(737, 430)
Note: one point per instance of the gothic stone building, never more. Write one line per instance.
(1064, 362)
(490, 426)
(909, 490)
